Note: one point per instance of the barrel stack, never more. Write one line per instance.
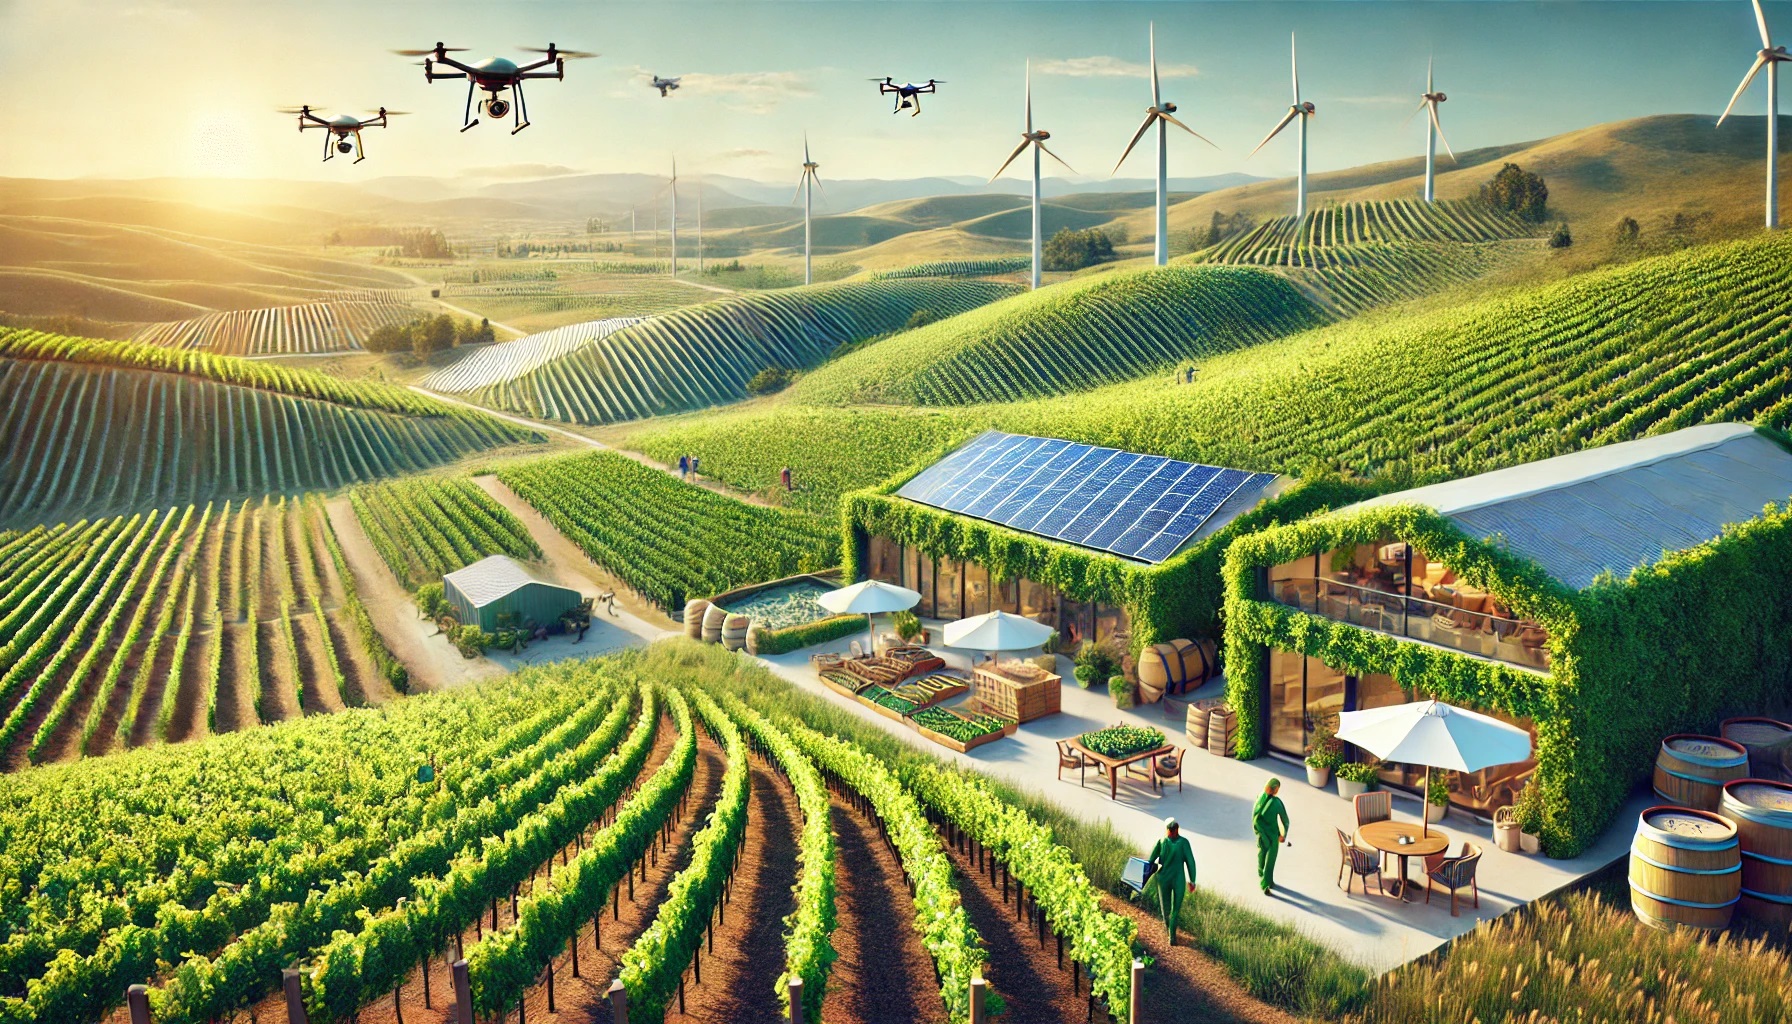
(713, 617)
(693, 618)
(1768, 742)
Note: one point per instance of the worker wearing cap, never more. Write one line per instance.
(1269, 819)
(1175, 874)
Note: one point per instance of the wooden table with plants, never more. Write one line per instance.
(1118, 746)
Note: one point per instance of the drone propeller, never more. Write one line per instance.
(387, 113)
(568, 54)
(292, 110)
(426, 53)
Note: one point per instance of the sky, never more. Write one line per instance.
(146, 88)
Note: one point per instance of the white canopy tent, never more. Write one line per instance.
(869, 598)
(1435, 735)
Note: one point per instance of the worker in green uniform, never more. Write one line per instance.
(1269, 819)
(1175, 874)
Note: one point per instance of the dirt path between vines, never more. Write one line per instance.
(883, 975)
(433, 662)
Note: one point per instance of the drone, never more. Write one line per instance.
(494, 75)
(341, 127)
(908, 94)
(664, 85)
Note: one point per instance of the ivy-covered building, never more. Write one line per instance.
(1601, 600)
(1100, 543)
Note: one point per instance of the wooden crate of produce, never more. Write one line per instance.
(1016, 690)
(1009, 727)
(866, 697)
(926, 690)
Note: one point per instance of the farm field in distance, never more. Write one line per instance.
(683, 543)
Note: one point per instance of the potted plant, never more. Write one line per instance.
(908, 627)
(1121, 691)
(1437, 795)
(1529, 811)
(1324, 756)
(1356, 778)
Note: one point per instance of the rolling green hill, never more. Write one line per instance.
(1070, 337)
(1412, 397)
(96, 426)
(704, 355)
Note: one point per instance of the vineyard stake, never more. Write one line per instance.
(1136, 1001)
(681, 995)
(697, 967)
(549, 971)
(289, 983)
(796, 1001)
(618, 1003)
(426, 1005)
(978, 986)
(616, 899)
(463, 994)
(138, 998)
(575, 956)
(397, 1006)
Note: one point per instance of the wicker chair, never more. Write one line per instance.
(1373, 807)
(1068, 757)
(1168, 767)
(1359, 863)
(1454, 873)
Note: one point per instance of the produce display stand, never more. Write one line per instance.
(1017, 690)
(965, 746)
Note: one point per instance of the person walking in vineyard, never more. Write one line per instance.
(1175, 874)
(784, 477)
(694, 460)
(684, 467)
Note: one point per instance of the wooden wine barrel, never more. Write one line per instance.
(1691, 770)
(1765, 739)
(1200, 662)
(1762, 813)
(1160, 672)
(1685, 869)
(693, 618)
(713, 617)
(734, 632)
(1222, 732)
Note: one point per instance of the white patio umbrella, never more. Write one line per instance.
(1435, 735)
(996, 631)
(868, 599)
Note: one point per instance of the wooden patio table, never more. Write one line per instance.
(1115, 764)
(1385, 837)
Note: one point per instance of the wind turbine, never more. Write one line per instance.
(1159, 113)
(699, 225)
(1302, 111)
(674, 188)
(1434, 130)
(803, 189)
(1036, 139)
(1770, 57)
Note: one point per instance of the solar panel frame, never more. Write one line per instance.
(1143, 507)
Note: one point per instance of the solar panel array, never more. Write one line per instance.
(1137, 506)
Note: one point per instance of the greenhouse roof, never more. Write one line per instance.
(491, 579)
(1617, 507)
(1144, 507)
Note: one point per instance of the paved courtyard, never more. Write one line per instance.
(1214, 809)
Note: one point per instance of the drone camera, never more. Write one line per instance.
(496, 107)
(345, 146)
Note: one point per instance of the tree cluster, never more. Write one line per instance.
(1518, 191)
(1074, 250)
(427, 335)
(1220, 228)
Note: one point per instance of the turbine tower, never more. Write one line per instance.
(1769, 57)
(1036, 139)
(802, 189)
(1434, 130)
(1159, 113)
(699, 225)
(674, 187)
(1304, 111)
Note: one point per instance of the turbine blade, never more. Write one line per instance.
(1029, 98)
(1055, 156)
(816, 178)
(1761, 23)
(1135, 141)
(806, 147)
(1189, 130)
(799, 188)
(1430, 63)
(1017, 152)
(1155, 93)
(1294, 66)
(1421, 109)
(1273, 132)
(1435, 123)
(1753, 70)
